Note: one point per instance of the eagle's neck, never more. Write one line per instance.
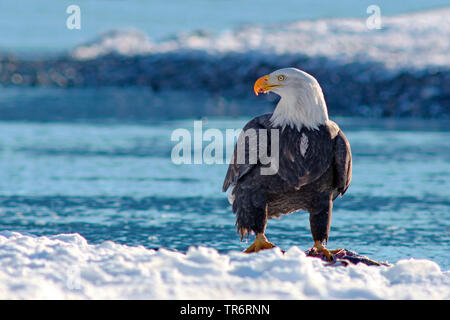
(304, 107)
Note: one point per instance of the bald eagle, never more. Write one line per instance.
(314, 165)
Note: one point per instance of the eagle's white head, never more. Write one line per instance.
(302, 103)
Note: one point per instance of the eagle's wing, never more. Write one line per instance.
(306, 156)
(238, 170)
(342, 163)
(303, 157)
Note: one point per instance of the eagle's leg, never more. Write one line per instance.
(320, 221)
(258, 227)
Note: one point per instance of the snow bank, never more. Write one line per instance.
(398, 44)
(67, 267)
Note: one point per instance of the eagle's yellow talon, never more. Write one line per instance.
(260, 243)
(336, 251)
(320, 248)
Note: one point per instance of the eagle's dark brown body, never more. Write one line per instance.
(314, 168)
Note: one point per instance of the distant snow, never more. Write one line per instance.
(67, 267)
(410, 40)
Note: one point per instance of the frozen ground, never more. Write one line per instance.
(67, 267)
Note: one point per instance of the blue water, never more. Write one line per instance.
(40, 26)
(110, 181)
(62, 172)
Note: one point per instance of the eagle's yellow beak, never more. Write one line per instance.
(263, 85)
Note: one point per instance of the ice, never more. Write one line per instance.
(65, 266)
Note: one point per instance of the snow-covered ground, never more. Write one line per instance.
(397, 44)
(67, 267)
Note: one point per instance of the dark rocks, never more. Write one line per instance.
(352, 89)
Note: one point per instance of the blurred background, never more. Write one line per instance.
(86, 116)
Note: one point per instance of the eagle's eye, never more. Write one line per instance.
(281, 77)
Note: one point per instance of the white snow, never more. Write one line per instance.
(124, 42)
(415, 40)
(65, 266)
